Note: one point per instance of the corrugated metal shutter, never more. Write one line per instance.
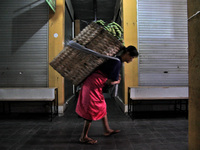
(163, 42)
(24, 43)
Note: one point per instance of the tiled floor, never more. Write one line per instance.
(30, 132)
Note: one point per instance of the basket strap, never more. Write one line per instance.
(77, 46)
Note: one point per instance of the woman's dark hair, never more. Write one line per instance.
(131, 49)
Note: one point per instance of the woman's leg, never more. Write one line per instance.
(108, 130)
(106, 125)
(84, 136)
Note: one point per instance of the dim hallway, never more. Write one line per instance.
(35, 132)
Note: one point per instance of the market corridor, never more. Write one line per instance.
(33, 132)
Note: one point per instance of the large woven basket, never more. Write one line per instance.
(76, 65)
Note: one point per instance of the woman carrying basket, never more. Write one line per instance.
(91, 103)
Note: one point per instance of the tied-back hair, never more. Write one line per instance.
(131, 49)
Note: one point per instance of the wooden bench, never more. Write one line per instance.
(49, 95)
(177, 95)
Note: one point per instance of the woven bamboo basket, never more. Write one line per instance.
(76, 65)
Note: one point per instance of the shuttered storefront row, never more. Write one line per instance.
(163, 42)
(24, 43)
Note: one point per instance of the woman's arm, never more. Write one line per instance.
(110, 82)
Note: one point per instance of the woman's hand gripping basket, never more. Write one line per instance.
(76, 65)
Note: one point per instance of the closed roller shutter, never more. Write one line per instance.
(24, 43)
(163, 42)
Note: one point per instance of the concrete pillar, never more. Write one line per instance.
(77, 27)
(56, 45)
(129, 22)
(194, 74)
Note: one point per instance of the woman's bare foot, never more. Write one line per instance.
(88, 140)
(111, 132)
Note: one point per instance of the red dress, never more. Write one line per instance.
(91, 103)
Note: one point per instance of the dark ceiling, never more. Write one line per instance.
(89, 10)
